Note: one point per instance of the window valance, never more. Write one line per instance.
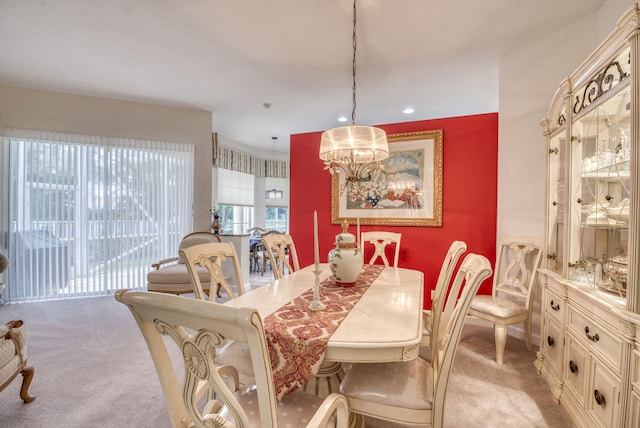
(226, 158)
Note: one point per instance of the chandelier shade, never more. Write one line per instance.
(355, 151)
(359, 144)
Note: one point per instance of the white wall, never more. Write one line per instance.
(51, 111)
(529, 77)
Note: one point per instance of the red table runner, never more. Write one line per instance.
(297, 336)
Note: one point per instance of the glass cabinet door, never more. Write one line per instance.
(556, 203)
(599, 200)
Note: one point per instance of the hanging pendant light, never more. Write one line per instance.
(355, 150)
(273, 193)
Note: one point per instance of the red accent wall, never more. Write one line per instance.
(469, 200)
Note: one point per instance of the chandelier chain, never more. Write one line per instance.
(353, 111)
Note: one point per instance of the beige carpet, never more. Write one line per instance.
(92, 369)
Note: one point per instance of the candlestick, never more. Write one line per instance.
(316, 251)
(317, 305)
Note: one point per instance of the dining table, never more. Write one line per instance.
(377, 320)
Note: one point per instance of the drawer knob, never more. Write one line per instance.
(599, 398)
(555, 307)
(550, 341)
(573, 367)
(594, 337)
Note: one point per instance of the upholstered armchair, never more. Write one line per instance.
(171, 275)
(13, 357)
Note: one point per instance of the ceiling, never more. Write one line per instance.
(231, 57)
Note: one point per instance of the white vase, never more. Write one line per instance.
(346, 259)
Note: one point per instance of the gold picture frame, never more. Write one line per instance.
(407, 191)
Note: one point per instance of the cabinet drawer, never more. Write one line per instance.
(554, 305)
(553, 344)
(576, 369)
(597, 338)
(603, 395)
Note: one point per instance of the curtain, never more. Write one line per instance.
(87, 215)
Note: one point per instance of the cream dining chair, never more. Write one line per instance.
(211, 257)
(514, 286)
(261, 253)
(414, 392)
(380, 240)
(200, 393)
(431, 322)
(281, 252)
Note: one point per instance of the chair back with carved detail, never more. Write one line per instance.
(212, 256)
(380, 240)
(200, 393)
(413, 392)
(281, 252)
(431, 321)
(513, 292)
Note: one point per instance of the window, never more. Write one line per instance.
(235, 219)
(277, 219)
(88, 215)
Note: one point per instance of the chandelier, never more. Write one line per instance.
(354, 151)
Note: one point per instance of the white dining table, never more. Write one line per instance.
(384, 325)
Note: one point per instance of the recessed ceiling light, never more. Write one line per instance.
(342, 119)
(408, 110)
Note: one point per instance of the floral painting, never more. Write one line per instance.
(406, 190)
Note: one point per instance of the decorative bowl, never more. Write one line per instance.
(617, 269)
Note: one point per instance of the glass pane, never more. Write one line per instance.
(235, 219)
(600, 197)
(277, 219)
(557, 183)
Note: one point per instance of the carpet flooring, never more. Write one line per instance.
(92, 369)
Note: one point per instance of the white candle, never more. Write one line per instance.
(316, 251)
(358, 232)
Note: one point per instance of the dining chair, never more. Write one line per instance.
(199, 392)
(380, 239)
(281, 252)
(430, 321)
(170, 275)
(414, 392)
(254, 247)
(211, 257)
(264, 254)
(513, 291)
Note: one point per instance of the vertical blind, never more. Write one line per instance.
(88, 215)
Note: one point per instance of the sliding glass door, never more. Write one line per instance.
(88, 215)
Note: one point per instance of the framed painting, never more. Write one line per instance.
(406, 191)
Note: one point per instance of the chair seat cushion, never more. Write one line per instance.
(294, 411)
(496, 307)
(405, 384)
(176, 274)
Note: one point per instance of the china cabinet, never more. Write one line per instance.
(589, 350)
